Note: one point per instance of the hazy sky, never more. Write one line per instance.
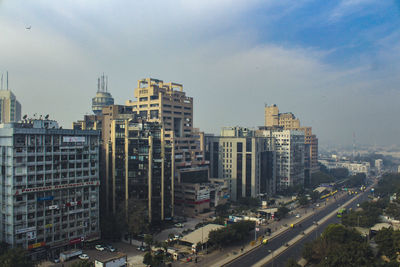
(334, 64)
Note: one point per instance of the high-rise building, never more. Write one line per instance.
(378, 165)
(50, 187)
(10, 108)
(246, 161)
(289, 148)
(168, 104)
(103, 98)
(136, 162)
(289, 122)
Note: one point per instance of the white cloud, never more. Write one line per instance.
(198, 43)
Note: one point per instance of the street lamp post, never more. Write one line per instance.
(272, 252)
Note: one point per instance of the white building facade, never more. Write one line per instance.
(49, 187)
(289, 147)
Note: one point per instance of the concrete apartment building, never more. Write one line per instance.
(289, 148)
(168, 104)
(136, 161)
(289, 122)
(10, 108)
(50, 187)
(352, 167)
(246, 161)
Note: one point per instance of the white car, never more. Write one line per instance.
(83, 257)
(298, 216)
(99, 247)
(179, 225)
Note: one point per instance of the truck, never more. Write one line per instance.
(66, 255)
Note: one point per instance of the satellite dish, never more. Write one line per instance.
(25, 116)
(47, 116)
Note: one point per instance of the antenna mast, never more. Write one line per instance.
(2, 81)
(7, 80)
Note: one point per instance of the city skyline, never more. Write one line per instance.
(333, 65)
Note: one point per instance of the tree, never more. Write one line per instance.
(232, 233)
(282, 212)
(339, 173)
(339, 246)
(148, 239)
(15, 257)
(303, 200)
(223, 209)
(314, 196)
(292, 263)
(135, 220)
(320, 178)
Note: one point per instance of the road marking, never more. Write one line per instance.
(300, 236)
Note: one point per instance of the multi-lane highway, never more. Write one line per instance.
(294, 250)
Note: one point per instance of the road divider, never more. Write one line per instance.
(300, 236)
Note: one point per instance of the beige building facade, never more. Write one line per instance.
(10, 108)
(168, 104)
(289, 122)
(244, 160)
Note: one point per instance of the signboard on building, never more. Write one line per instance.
(45, 198)
(75, 241)
(24, 230)
(55, 187)
(73, 139)
(52, 207)
(37, 245)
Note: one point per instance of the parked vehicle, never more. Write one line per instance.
(83, 257)
(142, 248)
(99, 247)
(179, 225)
(110, 248)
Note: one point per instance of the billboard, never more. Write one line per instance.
(73, 139)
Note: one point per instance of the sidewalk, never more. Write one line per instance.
(217, 259)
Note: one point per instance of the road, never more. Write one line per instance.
(295, 250)
(262, 251)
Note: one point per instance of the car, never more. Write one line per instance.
(298, 216)
(56, 260)
(110, 248)
(177, 236)
(83, 257)
(179, 225)
(317, 205)
(142, 248)
(265, 241)
(99, 247)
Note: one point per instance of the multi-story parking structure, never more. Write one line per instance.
(49, 186)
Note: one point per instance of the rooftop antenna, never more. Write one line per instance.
(7, 81)
(98, 84)
(106, 83)
(354, 145)
(2, 81)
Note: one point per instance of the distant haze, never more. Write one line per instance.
(334, 64)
